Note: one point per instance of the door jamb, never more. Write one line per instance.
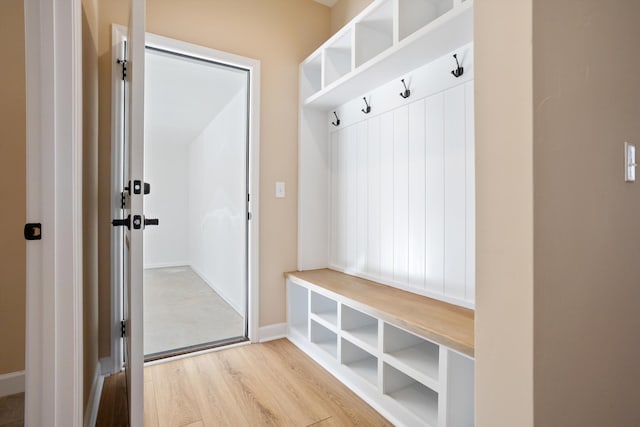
(119, 33)
(54, 340)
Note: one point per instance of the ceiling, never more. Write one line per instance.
(182, 96)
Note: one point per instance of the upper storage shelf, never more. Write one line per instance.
(388, 38)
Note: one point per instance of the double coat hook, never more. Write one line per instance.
(407, 92)
(459, 71)
(337, 122)
(367, 109)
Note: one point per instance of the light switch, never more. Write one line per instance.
(630, 162)
(280, 190)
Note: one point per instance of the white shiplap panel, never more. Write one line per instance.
(470, 293)
(434, 206)
(342, 199)
(417, 194)
(386, 196)
(455, 195)
(373, 213)
(401, 195)
(333, 199)
(362, 207)
(352, 214)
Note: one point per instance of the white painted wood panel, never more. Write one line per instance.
(434, 200)
(352, 213)
(373, 211)
(333, 200)
(401, 195)
(386, 196)
(470, 292)
(417, 195)
(455, 196)
(342, 199)
(402, 202)
(362, 206)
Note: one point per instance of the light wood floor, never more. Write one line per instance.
(262, 384)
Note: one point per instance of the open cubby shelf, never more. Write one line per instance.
(400, 373)
(412, 32)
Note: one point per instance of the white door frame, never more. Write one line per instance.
(54, 347)
(119, 34)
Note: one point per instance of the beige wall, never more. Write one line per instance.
(12, 190)
(504, 214)
(344, 10)
(280, 33)
(90, 190)
(587, 219)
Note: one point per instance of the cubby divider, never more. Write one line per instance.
(325, 339)
(359, 361)
(412, 354)
(298, 308)
(338, 58)
(416, 398)
(374, 33)
(416, 14)
(360, 327)
(325, 308)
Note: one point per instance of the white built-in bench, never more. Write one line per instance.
(409, 356)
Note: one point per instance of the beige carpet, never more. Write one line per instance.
(181, 310)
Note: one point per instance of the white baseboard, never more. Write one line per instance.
(91, 411)
(166, 265)
(11, 383)
(272, 332)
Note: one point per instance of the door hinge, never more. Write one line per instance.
(248, 216)
(123, 328)
(33, 231)
(123, 63)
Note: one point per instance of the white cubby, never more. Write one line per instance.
(324, 308)
(374, 33)
(416, 14)
(416, 398)
(325, 339)
(360, 327)
(311, 76)
(360, 362)
(412, 354)
(409, 379)
(338, 58)
(298, 307)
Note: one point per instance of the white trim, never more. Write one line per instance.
(54, 347)
(119, 33)
(196, 353)
(273, 332)
(93, 404)
(175, 264)
(11, 383)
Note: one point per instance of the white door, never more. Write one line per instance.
(134, 173)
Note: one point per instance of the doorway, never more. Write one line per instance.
(196, 160)
(201, 109)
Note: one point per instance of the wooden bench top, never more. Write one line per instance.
(438, 321)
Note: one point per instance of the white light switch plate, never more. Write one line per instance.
(280, 190)
(630, 162)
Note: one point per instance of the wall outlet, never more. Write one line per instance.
(280, 190)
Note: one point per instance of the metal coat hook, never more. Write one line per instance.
(367, 109)
(459, 71)
(337, 122)
(407, 92)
